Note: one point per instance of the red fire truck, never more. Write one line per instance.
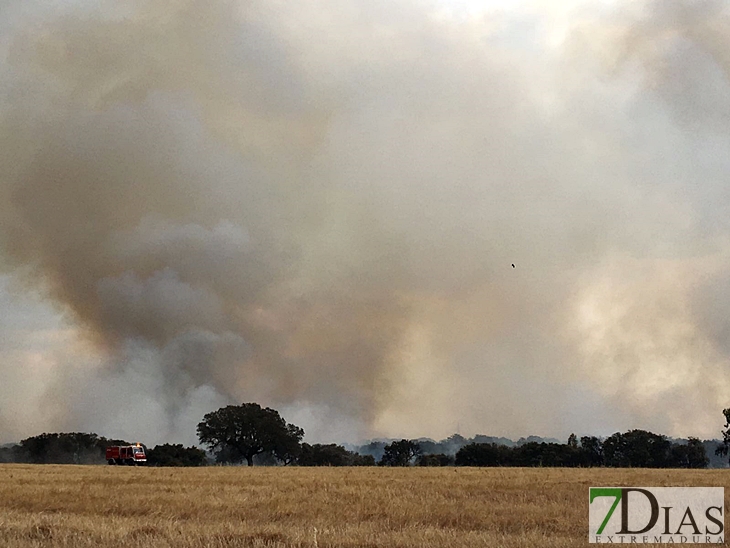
(132, 455)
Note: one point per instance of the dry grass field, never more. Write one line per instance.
(105, 506)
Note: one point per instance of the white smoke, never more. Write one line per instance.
(316, 206)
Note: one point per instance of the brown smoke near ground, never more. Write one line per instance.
(316, 207)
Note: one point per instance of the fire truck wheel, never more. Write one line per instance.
(111, 461)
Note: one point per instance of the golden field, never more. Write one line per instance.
(220, 507)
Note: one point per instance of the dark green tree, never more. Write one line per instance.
(240, 432)
(689, 455)
(331, 455)
(637, 449)
(591, 451)
(363, 460)
(545, 454)
(65, 448)
(175, 455)
(400, 453)
(724, 446)
(289, 446)
(484, 454)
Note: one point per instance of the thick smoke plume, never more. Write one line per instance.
(316, 205)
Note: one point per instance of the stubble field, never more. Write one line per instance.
(105, 506)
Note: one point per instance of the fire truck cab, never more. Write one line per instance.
(132, 455)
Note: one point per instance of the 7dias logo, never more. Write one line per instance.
(642, 515)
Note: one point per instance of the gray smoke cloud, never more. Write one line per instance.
(316, 207)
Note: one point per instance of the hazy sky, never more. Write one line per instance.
(315, 205)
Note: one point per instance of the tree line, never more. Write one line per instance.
(251, 434)
(83, 448)
(632, 449)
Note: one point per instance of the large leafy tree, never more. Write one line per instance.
(591, 451)
(637, 448)
(400, 453)
(689, 455)
(240, 432)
